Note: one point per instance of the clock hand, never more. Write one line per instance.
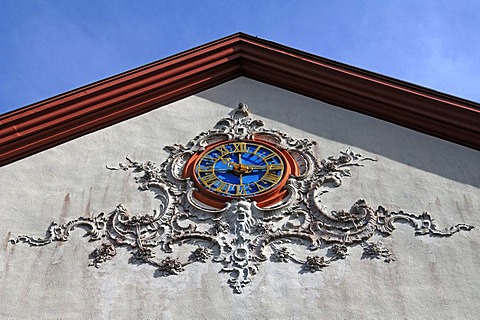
(227, 161)
(255, 167)
(241, 166)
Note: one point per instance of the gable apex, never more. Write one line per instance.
(50, 122)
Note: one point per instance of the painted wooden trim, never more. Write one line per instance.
(48, 123)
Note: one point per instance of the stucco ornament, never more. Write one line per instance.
(242, 235)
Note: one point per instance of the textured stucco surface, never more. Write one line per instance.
(433, 278)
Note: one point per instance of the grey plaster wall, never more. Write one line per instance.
(432, 278)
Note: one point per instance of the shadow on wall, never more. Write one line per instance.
(397, 143)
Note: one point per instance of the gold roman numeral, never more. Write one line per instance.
(223, 150)
(209, 179)
(205, 169)
(260, 187)
(256, 150)
(270, 178)
(278, 166)
(268, 157)
(223, 187)
(240, 147)
(209, 158)
(241, 191)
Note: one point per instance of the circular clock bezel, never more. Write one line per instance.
(266, 198)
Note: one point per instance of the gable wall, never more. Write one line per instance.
(432, 277)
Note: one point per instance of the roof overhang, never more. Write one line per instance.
(45, 124)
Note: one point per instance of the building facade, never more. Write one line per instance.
(349, 238)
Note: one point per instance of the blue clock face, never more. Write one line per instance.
(240, 169)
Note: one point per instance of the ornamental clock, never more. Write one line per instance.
(250, 168)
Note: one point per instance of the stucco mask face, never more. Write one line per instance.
(241, 216)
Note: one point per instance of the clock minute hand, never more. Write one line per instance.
(241, 166)
(254, 167)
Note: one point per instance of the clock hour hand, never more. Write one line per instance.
(238, 168)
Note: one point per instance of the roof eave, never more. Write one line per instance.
(45, 124)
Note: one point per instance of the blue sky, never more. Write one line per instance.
(52, 46)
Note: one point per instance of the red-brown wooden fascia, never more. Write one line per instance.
(411, 106)
(45, 124)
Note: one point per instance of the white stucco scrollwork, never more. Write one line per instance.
(242, 235)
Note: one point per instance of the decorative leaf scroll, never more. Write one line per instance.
(242, 235)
